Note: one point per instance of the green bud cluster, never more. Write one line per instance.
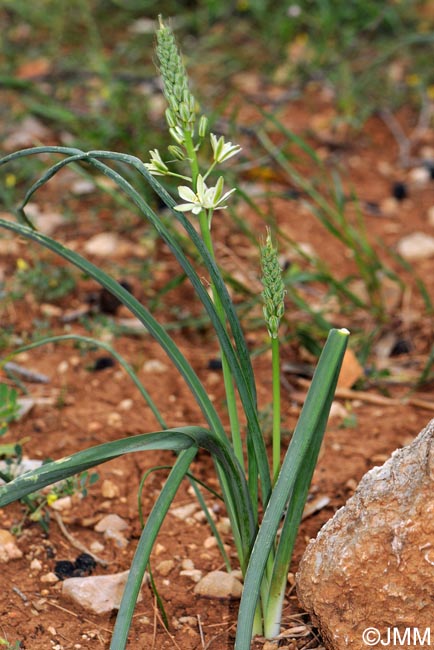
(181, 113)
(274, 289)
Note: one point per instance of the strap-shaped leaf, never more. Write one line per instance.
(310, 427)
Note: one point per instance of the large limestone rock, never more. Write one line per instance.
(372, 564)
(98, 594)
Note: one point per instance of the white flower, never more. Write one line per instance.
(206, 198)
(223, 150)
(157, 167)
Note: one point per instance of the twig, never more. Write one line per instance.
(370, 398)
(74, 542)
(20, 594)
(69, 611)
(199, 625)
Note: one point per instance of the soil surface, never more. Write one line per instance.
(83, 406)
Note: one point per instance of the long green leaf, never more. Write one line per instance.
(144, 548)
(312, 418)
(174, 439)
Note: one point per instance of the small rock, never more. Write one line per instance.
(416, 246)
(8, 548)
(154, 366)
(380, 543)
(420, 176)
(389, 207)
(109, 490)
(97, 594)
(104, 244)
(35, 565)
(82, 186)
(183, 512)
(187, 564)
(96, 547)
(194, 574)
(126, 404)
(210, 542)
(111, 522)
(165, 567)
(112, 527)
(219, 585)
(62, 504)
(224, 525)
(49, 578)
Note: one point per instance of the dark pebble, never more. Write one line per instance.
(402, 346)
(429, 165)
(64, 569)
(215, 364)
(102, 363)
(399, 191)
(85, 562)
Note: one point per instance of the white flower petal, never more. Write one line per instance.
(187, 193)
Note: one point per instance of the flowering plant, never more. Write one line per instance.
(248, 486)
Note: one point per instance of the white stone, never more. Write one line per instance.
(103, 244)
(194, 574)
(416, 246)
(219, 585)
(165, 567)
(97, 594)
(154, 366)
(109, 490)
(8, 547)
(183, 512)
(111, 522)
(420, 176)
(49, 578)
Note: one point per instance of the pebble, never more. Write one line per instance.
(8, 548)
(183, 512)
(187, 564)
(96, 547)
(224, 525)
(389, 207)
(111, 522)
(210, 542)
(194, 574)
(62, 504)
(417, 246)
(112, 527)
(97, 594)
(126, 404)
(154, 366)
(165, 567)
(49, 578)
(103, 244)
(420, 176)
(109, 490)
(35, 565)
(219, 585)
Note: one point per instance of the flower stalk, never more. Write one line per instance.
(273, 296)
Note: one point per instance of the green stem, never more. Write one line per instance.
(227, 376)
(205, 222)
(276, 407)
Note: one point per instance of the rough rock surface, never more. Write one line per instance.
(372, 564)
(97, 594)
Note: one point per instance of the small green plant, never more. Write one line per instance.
(43, 280)
(8, 407)
(248, 485)
(7, 645)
